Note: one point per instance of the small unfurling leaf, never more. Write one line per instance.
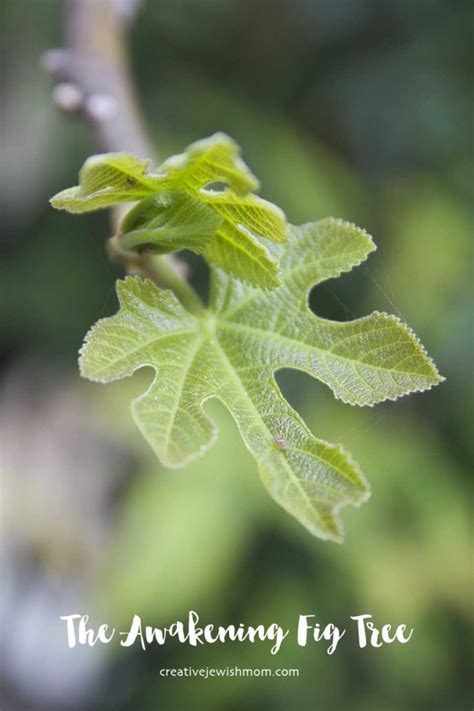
(169, 221)
(106, 180)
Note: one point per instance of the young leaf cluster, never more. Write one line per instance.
(253, 326)
(179, 206)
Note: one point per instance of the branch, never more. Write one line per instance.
(94, 77)
(94, 81)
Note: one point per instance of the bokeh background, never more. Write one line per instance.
(352, 108)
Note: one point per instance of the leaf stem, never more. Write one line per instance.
(161, 269)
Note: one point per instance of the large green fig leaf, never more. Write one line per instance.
(231, 352)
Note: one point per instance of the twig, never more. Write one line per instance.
(94, 77)
(94, 81)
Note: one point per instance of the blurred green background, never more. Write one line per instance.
(353, 108)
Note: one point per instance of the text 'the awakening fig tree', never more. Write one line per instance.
(256, 322)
